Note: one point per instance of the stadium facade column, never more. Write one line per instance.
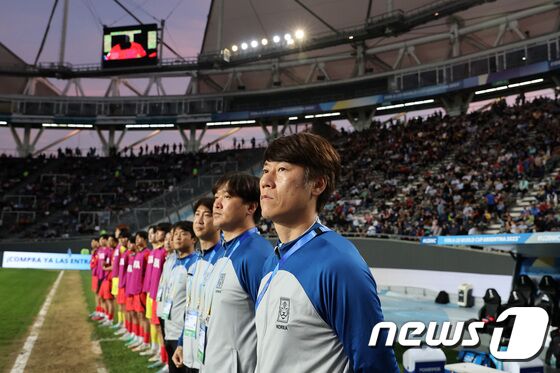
(457, 104)
(25, 146)
(109, 145)
(272, 134)
(192, 88)
(361, 119)
(190, 142)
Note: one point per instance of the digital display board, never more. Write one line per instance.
(129, 46)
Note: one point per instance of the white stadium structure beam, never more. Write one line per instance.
(322, 68)
(129, 85)
(63, 33)
(457, 104)
(109, 143)
(190, 142)
(455, 40)
(25, 146)
(62, 139)
(361, 119)
(114, 88)
(360, 63)
(227, 86)
(271, 134)
(192, 88)
(311, 73)
(149, 86)
(152, 134)
(411, 53)
(30, 86)
(160, 87)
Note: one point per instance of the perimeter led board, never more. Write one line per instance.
(129, 46)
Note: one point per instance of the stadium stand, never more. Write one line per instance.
(449, 176)
(434, 176)
(68, 195)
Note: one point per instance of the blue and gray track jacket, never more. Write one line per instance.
(229, 305)
(319, 310)
(198, 274)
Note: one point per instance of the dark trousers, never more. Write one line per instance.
(162, 325)
(170, 347)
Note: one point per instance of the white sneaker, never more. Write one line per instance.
(107, 323)
(165, 369)
(147, 352)
(121, 331)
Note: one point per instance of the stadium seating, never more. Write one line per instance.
(443, 175)
(438, 175)
(51, 197)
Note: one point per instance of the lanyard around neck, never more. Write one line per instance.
(297, 245)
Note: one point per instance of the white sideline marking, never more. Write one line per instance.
(96, 349)
(23, 357)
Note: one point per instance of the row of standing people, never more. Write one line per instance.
(235, 304)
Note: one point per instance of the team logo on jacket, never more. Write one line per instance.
(284, 310)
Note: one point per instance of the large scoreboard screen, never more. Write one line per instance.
(130, 46)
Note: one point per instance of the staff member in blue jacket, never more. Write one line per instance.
(317, 301)
(226, 335)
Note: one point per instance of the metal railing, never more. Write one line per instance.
(17, 217)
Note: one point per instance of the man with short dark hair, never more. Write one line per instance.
(317, 301)
(227, 337)
(198, 273)
(175, 293)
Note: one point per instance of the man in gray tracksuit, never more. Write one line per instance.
(317, 301)
(175, 296)
(227, 336)
(198, 273)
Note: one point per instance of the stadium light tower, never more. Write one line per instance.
(276, 39)
(300, 34)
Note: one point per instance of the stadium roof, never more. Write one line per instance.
(248, 20)
(245, 20)
(12, 85)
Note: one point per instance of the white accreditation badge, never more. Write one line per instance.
(190, 323)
